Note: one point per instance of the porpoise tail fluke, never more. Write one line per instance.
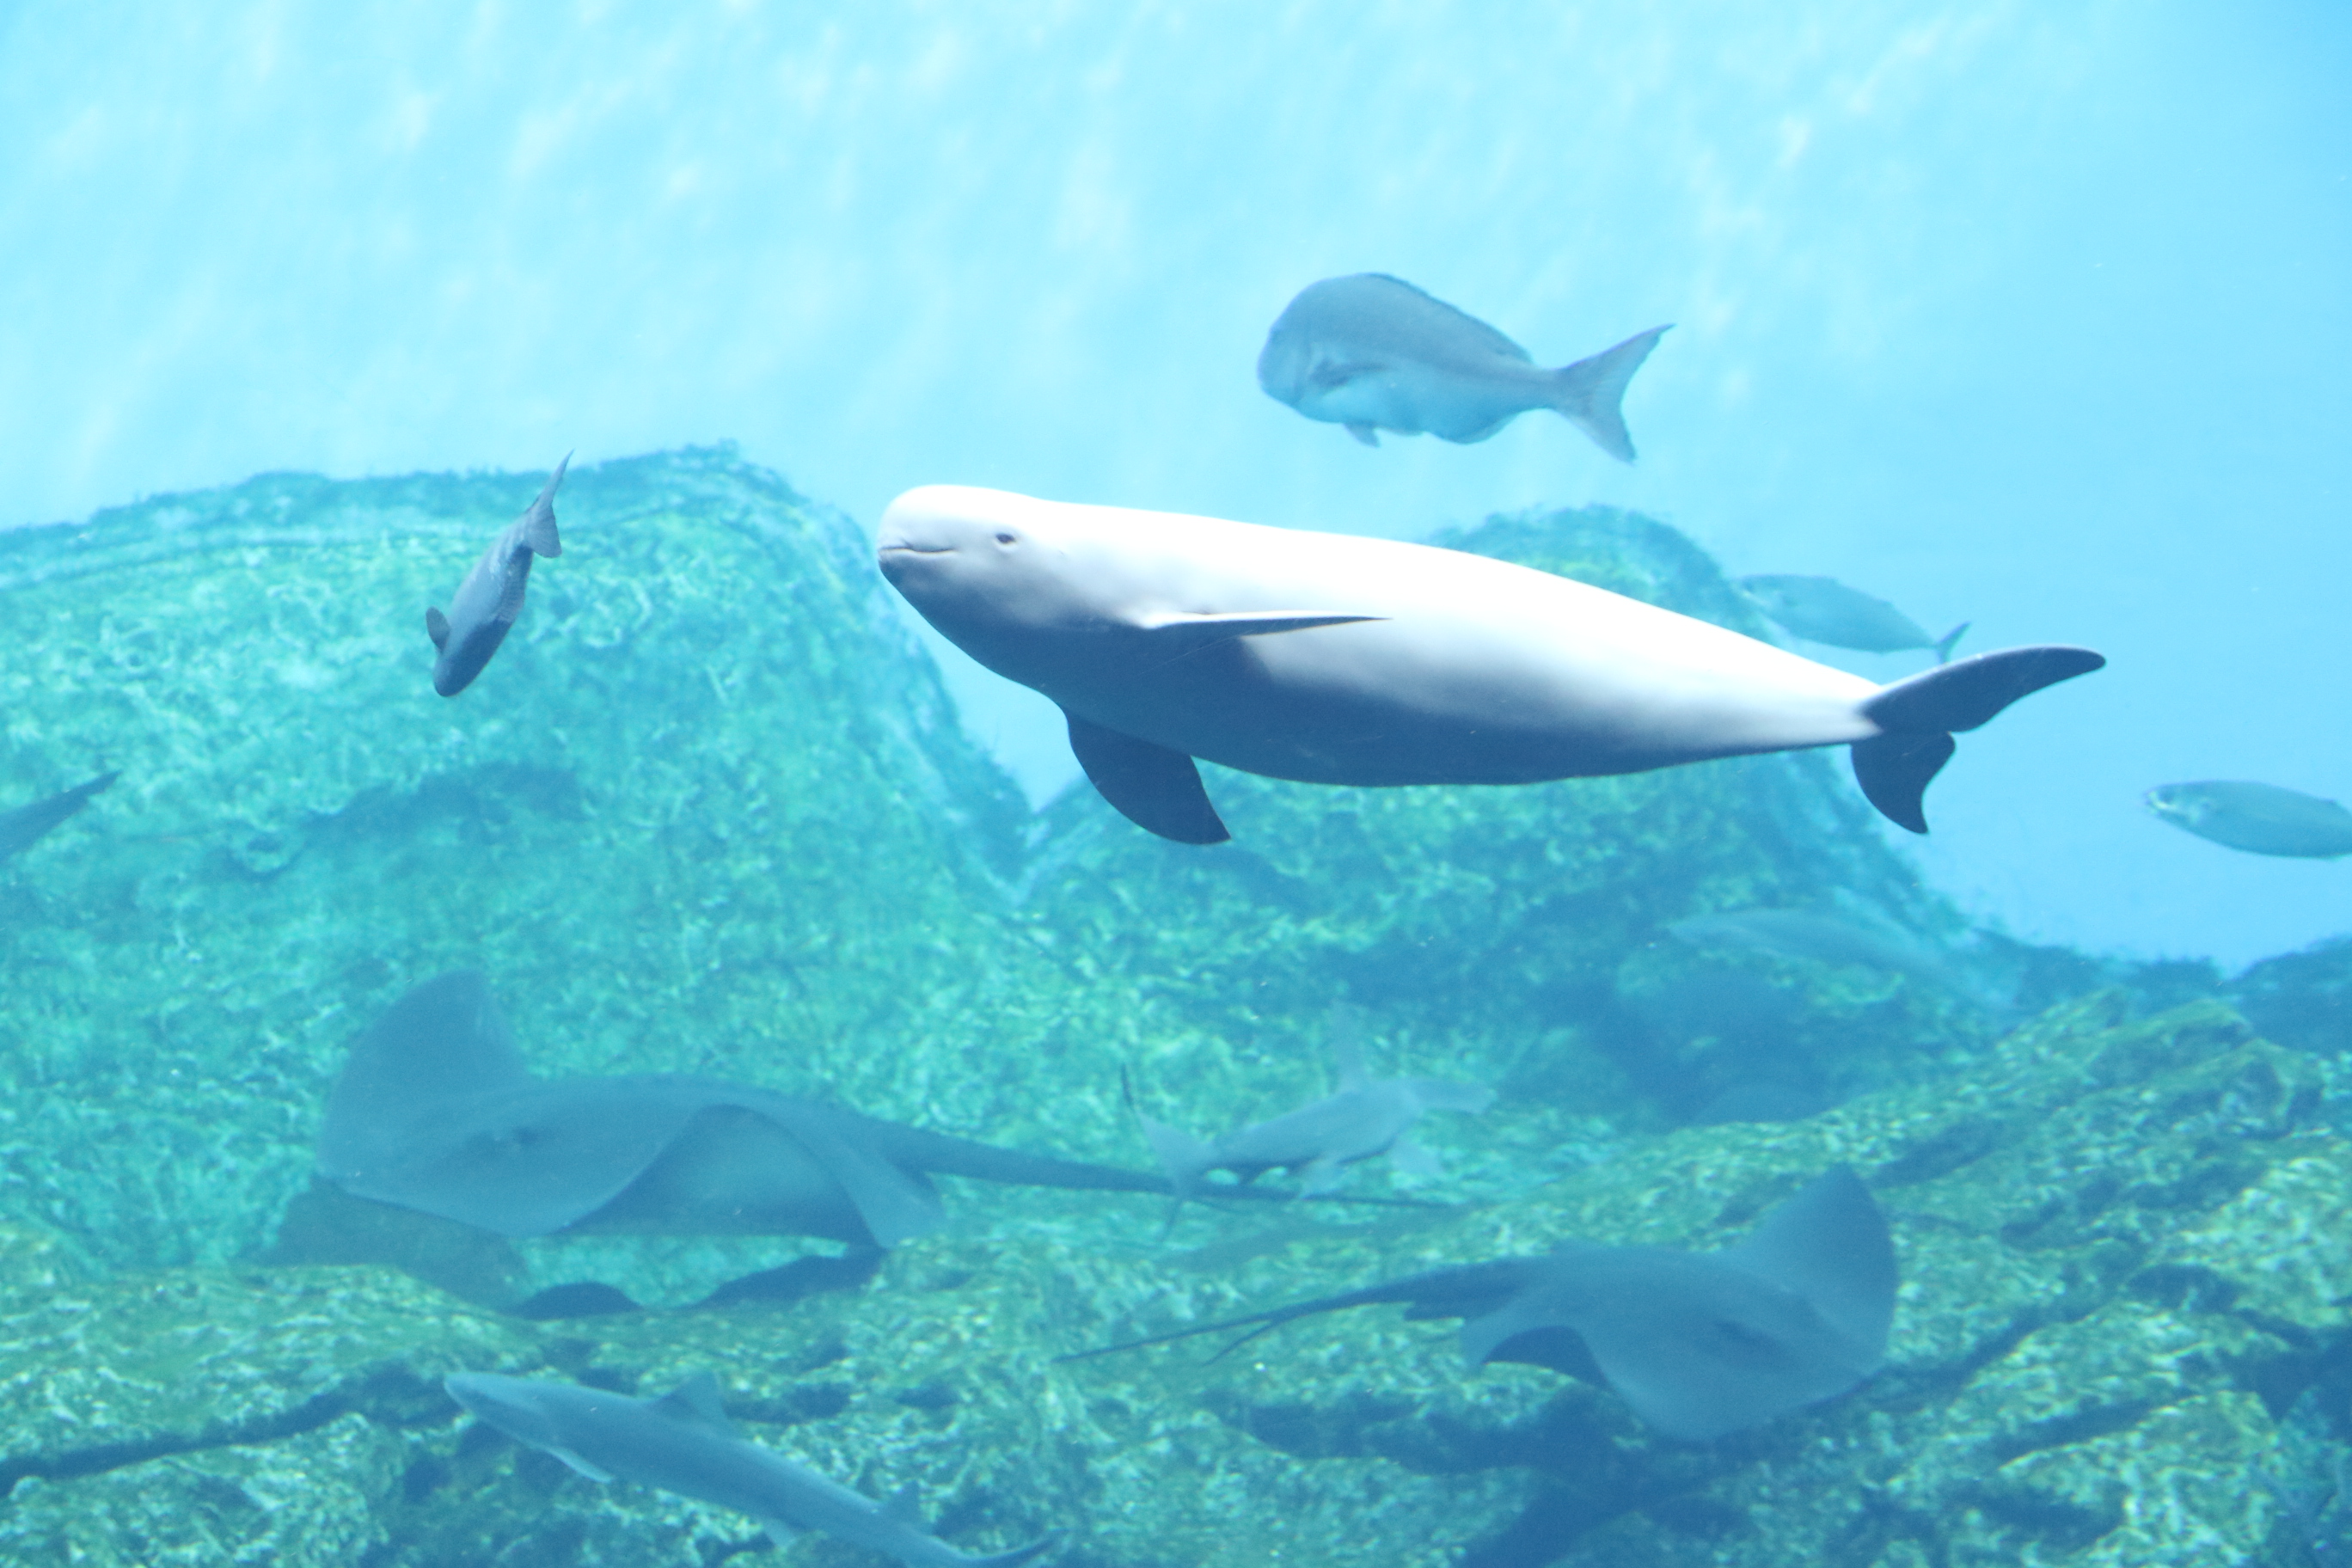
(1590, 391)
(1918, 717)
(1945, 644)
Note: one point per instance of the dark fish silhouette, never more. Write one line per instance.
(1373, 353)
(490, 597)
(1824, 610)
(1699, 1343)
(2259, 819)
(683, 1443)
(28, 825)
(435, 1111)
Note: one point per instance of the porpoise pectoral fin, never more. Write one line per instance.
(436, 627)
(1412, 1159)
(539, 518)
(1155, 788)
(1366, 433)
(593, 1472)
(777, 1530)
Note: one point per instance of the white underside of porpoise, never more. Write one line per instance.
(1467, 669)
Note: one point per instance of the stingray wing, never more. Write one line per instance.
(895, 1205)
(526, 1161)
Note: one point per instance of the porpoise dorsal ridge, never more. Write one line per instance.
(1409, 665)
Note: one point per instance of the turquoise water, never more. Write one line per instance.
(2028, 317)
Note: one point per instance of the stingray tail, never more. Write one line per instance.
(1944, 644)
(1588, 393)
(1915, 718)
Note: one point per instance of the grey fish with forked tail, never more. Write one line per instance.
(1372, 352)
(487, 603)
(1824, 610)
(2259, 819)
(683, 1443)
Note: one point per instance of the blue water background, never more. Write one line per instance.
(2032, 314)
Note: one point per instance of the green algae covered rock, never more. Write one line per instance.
(708, 811)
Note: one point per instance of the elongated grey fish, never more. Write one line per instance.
(1372, 352)
(1365, 1119)
(2259, 819)
(490, 597)
(683, 1443)
(1824, 610)
(1699, 1343)
(27, 825)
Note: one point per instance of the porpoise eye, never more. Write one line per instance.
(1004, 538)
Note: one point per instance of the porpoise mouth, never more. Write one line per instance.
(901, 547)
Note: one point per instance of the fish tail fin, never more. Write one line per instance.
(1916, 718)
(538, 522)
(1945, 644)
(1181, 1156)
(1588, 393)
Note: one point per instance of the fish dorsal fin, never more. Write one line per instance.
(1829, 1244)
(696, 1403)
(444, 1040)
(905, 1506)
(1345, 1023)
(436, 627)
(1181, 631)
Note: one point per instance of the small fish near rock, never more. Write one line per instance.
(1824, 610)
(1372, 352)
(1366, 1118)
(682, 1442)
(1340, 659)
(2259, 819)
(1699, 1343)
(487, 603)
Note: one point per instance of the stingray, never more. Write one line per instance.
(1699, 1343)
(436, 1111)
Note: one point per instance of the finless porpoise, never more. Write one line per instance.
(1824, 610)
(1372, 352)
(2259, 819)
(487, 603)
(1699, 1343)
(683, 1443)
(1333, 658)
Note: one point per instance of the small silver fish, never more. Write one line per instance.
(1824, 610)
(2259, 819)
(490, 597)
(1373, 353)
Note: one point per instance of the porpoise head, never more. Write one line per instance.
(1003, 576)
